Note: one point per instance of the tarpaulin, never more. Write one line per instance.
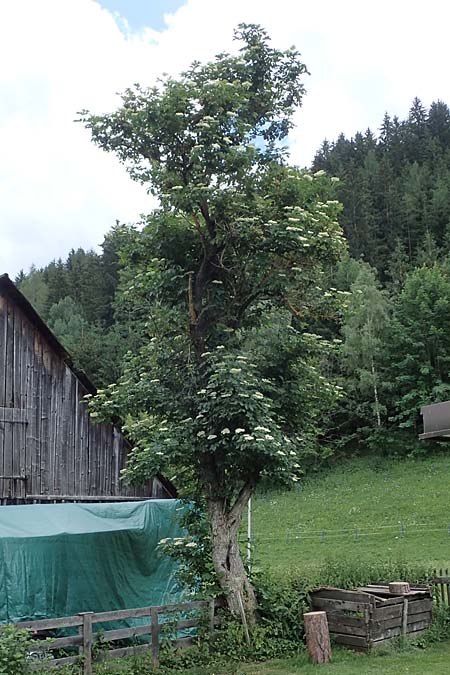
(60, 559)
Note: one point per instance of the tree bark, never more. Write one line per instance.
(227, 561)
(375, 394)
(317, 637)
(399, 587)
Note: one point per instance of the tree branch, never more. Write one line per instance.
(192, 312)
(242, 499)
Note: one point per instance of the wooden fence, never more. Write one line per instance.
(85, 641)
(441, 587)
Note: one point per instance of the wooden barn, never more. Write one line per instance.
(436, 422)
(49, 448)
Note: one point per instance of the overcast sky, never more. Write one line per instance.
(57, 191)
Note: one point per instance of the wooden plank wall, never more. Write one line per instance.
(48, 446)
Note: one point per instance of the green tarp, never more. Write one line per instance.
(60, 559)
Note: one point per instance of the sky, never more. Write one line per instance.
(58, 191)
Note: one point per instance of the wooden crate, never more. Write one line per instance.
(365, 618)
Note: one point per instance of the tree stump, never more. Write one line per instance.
(317, 637)
(399, 587)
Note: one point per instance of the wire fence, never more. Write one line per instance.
(398, 531)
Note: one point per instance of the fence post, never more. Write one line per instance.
(155, 636)
(86, 634)
(405, 617)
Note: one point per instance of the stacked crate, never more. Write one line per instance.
(365, 618)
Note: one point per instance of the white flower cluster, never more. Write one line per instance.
(179, 541)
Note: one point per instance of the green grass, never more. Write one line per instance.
(434, 660)
(376, 497)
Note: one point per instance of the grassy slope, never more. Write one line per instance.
(376, 496)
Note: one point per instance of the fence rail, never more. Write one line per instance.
(441, 587)
(84, 642)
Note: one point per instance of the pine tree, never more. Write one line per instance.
(399, 265)
(417, 347)
(427, 252)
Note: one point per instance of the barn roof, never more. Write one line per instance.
(10, 289)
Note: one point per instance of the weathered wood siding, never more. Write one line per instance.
(366, 618)
(49, 448)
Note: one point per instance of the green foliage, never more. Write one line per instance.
(210, 145)
(203, 124)
(419, 344)
(354, 573)
(35, 289)
(76, 298)
(15, 646)
(239, 237)
(440, 628)
(364, 323)
(195, 572)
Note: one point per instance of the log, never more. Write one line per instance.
(399, 588)
(317, 637)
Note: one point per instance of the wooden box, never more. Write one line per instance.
(367, 617)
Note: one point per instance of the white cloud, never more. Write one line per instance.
(58, 191)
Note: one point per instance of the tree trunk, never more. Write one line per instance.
(375, 394)
(317, 637)
(227, 561)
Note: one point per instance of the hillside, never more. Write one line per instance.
(395, 189)
(367, 510)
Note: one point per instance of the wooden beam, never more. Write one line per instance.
(84, 498)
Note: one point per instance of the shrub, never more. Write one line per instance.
(15, 647)
(353, 573)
